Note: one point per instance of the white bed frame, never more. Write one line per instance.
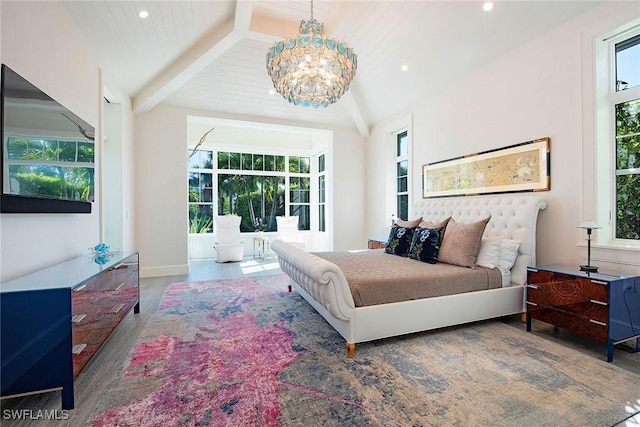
(325, 287)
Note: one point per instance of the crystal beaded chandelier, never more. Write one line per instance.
(310, 69)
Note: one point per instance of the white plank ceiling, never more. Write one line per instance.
(210, 55)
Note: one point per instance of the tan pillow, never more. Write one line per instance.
(461, 243)
(429, 224)
(410, 224)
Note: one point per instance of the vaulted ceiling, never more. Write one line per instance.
(210, 55)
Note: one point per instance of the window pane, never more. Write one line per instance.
(402, 185)
(247, 162)
(279, 163)
(36, 147)
(628, 135)
(203, 159)
(402, 144)
(403, 206)
(321, 192)
(402, 167)
(200, 189)
(321, 163)
(17, 148)
(252, 197)
(294, 164)
(305, 163)
(305, 183)
(200, 218)
(628, 207)
(302, 211)
(258, 162)
(234, 161)
(67, 151)
(65, 182)
(85, 152)
(627, 174)
(628, 63)
(51, 150)
(322, 225)
(223, 160)
(269, 163)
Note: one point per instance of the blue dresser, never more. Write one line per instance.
(603, 307)
(54, 320)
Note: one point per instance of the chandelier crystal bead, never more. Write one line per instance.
(310, 69)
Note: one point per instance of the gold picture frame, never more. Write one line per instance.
(516, 168)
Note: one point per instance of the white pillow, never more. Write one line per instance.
(489, 252)
(508, 254)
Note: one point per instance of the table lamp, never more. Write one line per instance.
(589, 225)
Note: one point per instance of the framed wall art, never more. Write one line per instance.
(521, 167)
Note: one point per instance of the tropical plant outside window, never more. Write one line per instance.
(627, 137)
(52, 168)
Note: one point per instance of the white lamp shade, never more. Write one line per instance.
(589, 225)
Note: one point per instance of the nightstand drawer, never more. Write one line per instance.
(591, 328)
(558, 289)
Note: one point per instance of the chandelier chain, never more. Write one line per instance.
(312, 10)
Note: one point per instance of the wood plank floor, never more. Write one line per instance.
(94, 379)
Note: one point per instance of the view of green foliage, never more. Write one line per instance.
(256, 198)
(61, 169)
(627, 165)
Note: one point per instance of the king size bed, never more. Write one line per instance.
(373, 294)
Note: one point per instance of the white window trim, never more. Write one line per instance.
(391, 133)
(598, 195)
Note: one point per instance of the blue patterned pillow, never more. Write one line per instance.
(399, 240)
(425, 244)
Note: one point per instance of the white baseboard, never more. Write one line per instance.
(170, 270)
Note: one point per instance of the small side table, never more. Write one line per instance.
(374, 243)
(601, 306)
(260, 247)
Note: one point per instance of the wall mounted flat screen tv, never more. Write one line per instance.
(48, 152)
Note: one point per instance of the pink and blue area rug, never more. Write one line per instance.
(245, 352)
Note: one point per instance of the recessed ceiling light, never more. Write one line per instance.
(272, 92)
(143, 14)
(404, 68)
(487, 6)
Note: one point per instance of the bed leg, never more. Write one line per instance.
(289, 288)
(351, 350)
(523, 317)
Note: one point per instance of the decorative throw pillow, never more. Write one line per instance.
(461, 242)
(413, 223)
(508, 254)
(489, 252)
(399, 240)
(426, 244)
(429, 224)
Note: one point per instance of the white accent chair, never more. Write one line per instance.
(287, 227)
(228, 244)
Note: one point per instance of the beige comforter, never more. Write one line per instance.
(376, 277)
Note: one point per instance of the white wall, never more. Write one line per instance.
(40, 43)
(161, 188)
(532, 92)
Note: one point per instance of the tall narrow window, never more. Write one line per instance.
(322, 193)
(200, 191)
(402, 170)
(627, 139)
(299, 191)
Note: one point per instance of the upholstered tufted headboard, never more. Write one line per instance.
(512, 217)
